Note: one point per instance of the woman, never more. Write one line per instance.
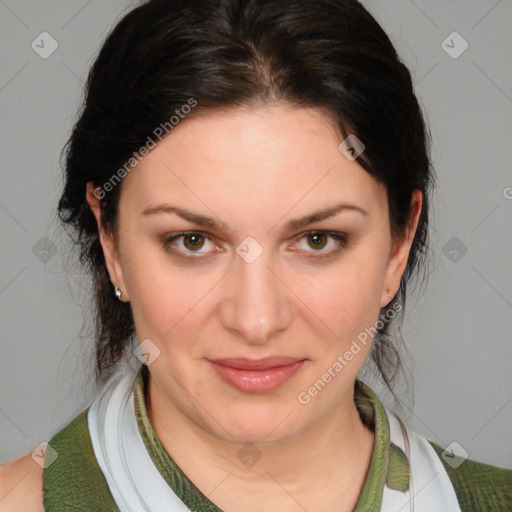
(249, 183)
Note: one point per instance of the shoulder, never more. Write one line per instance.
(478, 486)
(67, 478)
(73, 480)
(21, 485)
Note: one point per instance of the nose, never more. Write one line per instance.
(257, 303)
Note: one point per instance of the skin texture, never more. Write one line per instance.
(255, 169)
(21, 485)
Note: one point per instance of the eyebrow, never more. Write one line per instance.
(209, 222)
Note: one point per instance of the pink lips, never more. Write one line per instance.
(257, 376)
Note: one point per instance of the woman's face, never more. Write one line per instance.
(263, 277)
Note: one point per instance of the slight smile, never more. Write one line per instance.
(257, 376)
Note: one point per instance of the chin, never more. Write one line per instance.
(258, 424)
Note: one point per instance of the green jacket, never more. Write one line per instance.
(75, 482)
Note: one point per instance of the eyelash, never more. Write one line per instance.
(340, 238)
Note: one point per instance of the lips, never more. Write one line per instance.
(257, 364)
(256, 375)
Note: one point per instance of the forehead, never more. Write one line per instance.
(261, 158)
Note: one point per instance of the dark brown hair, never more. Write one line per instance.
(225, 53)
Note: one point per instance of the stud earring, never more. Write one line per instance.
(118, 292)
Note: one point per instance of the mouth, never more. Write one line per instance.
(257, 376)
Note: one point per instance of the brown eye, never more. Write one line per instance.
(322, 244)
(318, 240)
(188, 243)
(193, 241)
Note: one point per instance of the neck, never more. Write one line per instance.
(331, 458)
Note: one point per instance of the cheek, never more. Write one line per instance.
(347, 297)
(160, 295)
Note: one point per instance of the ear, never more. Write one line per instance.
(400, 252)
(110, 253)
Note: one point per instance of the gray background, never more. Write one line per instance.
(457, 329)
